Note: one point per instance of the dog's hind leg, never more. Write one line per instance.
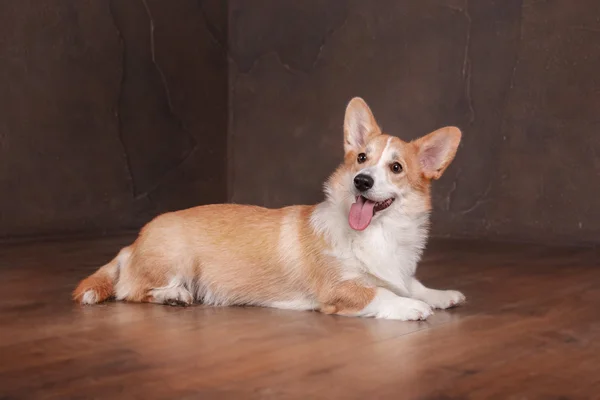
(173, 294)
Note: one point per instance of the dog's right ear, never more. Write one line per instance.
(359, 125)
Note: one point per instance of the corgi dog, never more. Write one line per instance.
(354, 254)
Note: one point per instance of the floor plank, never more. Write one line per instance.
(530, 330)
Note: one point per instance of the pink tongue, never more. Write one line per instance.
(361, 213)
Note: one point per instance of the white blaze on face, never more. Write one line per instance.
(386, 189)
(382, 188)
(361, 211)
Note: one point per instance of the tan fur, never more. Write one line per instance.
(450, 135)
(229, 246)
(234, 254)
(347, 297)
(102, 282)
(417, 177)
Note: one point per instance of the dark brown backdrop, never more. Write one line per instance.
(111, 112)
(519, 77)
(114, 111)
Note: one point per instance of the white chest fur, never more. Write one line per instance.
(388, 250)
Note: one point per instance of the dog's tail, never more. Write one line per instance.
(100, 286)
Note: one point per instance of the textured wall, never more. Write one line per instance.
(519, 77)
(112, 111)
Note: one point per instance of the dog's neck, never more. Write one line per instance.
(409, 224)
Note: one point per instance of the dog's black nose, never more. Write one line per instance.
(363, 182)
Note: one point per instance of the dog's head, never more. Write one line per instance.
(382, 173)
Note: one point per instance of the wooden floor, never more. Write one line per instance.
(530, 330)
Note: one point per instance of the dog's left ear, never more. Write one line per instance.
(437, 150)
(359, 125)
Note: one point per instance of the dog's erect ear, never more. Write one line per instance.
(437, 150)
(359, 125)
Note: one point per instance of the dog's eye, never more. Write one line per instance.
(396, 167)
(362, 157)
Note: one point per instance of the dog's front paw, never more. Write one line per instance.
(410, 310)
(443, 299)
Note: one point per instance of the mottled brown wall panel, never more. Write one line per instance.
(114, 111)
(111, 112)
(517, 76)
